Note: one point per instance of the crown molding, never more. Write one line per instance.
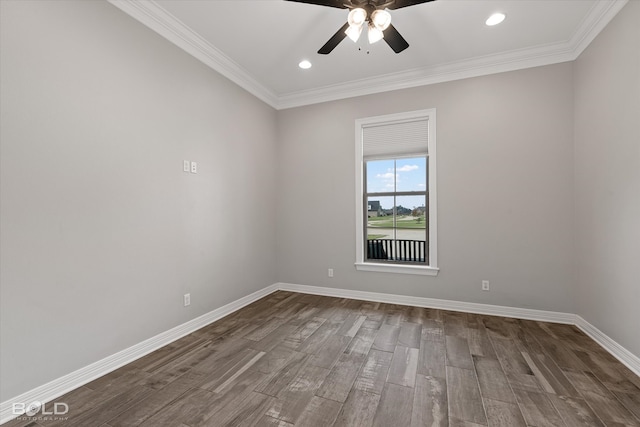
(599, 16)
(476, 67)
(158, 19)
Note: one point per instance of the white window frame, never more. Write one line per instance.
(360, 264)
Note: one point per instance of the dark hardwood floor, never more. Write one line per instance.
(303, 360)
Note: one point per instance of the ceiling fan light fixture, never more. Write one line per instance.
(381, 19)
(357, 16)
(375, 34)
(353, 32)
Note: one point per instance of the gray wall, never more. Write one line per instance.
(607, 167)
(505, 190)
(102, 232)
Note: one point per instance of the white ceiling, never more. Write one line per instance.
(259, 43)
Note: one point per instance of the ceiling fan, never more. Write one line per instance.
(369, 13)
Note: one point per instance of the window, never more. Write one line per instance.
(396, 193)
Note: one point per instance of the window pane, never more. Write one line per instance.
(411, 229)
(380, 218)
(411, 174)
(411, 221)
(380, 176)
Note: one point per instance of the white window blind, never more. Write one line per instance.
(395, 139)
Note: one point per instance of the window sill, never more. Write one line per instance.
(397, 268)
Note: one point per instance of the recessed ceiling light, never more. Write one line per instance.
(495, 19)
(305, 65)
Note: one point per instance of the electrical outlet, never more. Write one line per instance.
(485, 285)
(194, 167)
(186, 165)
(330, 272)
(187, 299)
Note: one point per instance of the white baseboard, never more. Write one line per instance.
(467, 307)
(629, 359)
(62, 385)
(619, 352)
(58, 387)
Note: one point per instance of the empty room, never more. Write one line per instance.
(319, 213)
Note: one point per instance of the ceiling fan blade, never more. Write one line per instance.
(334, 40)
(394, 39)
(340, 4)
(397, 4)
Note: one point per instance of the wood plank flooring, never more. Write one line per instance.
(302, 360)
